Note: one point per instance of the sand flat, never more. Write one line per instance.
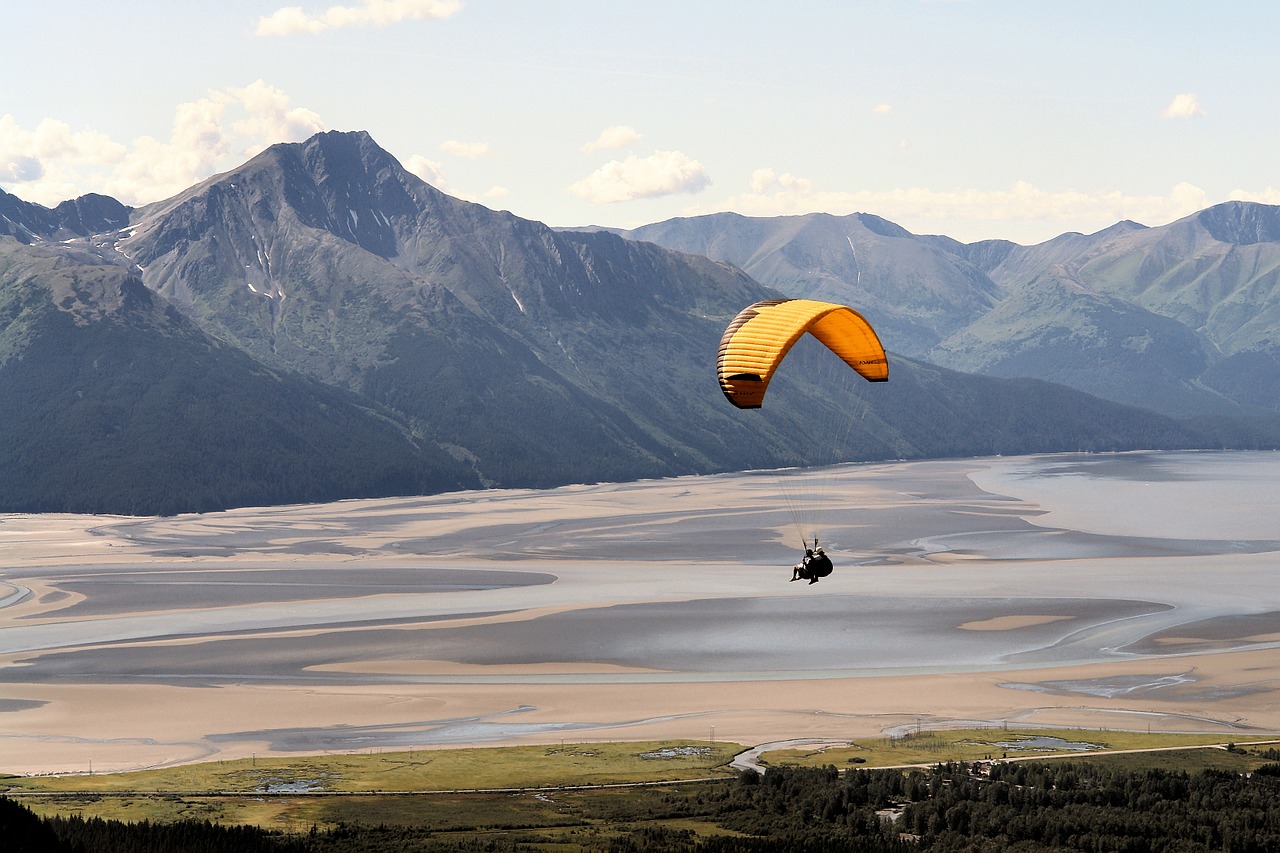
(965, 592)
(1009, 623)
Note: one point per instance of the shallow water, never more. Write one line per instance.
(1219, 497)
(1045, 744)
(1105, 557)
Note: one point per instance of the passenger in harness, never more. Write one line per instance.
(816, 564)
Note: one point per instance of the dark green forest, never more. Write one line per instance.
(970, 807)
(119, 419)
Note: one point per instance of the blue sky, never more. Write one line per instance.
(971, 118)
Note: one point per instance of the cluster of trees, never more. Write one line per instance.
(1047, 806)
(1014, 806)
(1081, 806)
(22, 831)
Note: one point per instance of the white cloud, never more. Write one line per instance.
(661, 173)
(430, 171)
(1270, 195)
(32, 157)
(765, 180)
(209, 134)
(51, 163)
(292, 20)
(612, 138)
(882, 109)
(19, 168)
(269, 118)
(469, 150)
(53, 138)
(154, 169)
(1185, 105)
(1023, 207)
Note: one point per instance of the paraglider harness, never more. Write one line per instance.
(816, 564)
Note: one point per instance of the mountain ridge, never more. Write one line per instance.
(1214, 274)
(484, 349)
(115, 402)
(88, 214)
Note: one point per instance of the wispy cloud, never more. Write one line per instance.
(51, 163)
(431, 171)
(1185, 105)
(661, 173)
(468, 150)
(293, 20)
(882, 109)
(613, 138)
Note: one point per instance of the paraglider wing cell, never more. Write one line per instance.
(760, 337)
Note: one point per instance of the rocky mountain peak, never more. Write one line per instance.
(882, 227)
(80, 217)
(356, 189)
(335, 182)
(361, 192)
(1241, 223)
(92, 214)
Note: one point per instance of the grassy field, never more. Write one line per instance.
(416, 770)
(569, 820)
(296, 794)
(932, 747)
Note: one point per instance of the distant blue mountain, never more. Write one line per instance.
(1183, 319)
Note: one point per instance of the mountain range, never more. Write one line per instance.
(319, 323)
(1182, 319)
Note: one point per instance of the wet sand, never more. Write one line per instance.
(1059, 590)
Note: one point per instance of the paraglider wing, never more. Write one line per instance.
(760, 337)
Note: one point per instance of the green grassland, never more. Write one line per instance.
(416, 770)
(474, 791)
(932, 747)
(568, 819)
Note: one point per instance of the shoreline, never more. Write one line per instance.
(524, 617)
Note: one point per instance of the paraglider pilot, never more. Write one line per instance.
(815, 564)
(801, 569)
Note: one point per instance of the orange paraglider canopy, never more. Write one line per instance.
(760, 337)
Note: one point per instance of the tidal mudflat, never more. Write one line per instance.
(1118, 591)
